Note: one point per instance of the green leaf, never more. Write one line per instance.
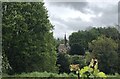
(101, 74)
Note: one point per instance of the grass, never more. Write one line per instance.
(41, 74)
(46, 75)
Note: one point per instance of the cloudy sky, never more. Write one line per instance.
(70, 16)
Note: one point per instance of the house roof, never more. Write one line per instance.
(61, 46)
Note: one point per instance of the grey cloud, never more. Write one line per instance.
(77, 24)
(119, 13)
(118, 17)
(74, 5)
(82, 6)
(109, 16)
(111, 9)
(72, 25)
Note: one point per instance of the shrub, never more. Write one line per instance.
(90, 71)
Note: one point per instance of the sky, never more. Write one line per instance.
(72, 15)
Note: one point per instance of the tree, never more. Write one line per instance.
(83, 37)
(110, 32)
(78, 38)
(76, 49)
(64, 61)
(27, 41)
(119, 55)
(105, 50)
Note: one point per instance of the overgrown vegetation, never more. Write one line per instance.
(64, 61)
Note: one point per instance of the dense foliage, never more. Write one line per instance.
(64, 61)
(28, 43)
(105, 50)
(105, 47)
(77, 49)
(119, 55)
(84, 37)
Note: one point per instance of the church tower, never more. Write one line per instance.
(64, 47)
(65, 40)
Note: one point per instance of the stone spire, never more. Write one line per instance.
(65, 40)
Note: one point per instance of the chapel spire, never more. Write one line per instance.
(65, 40)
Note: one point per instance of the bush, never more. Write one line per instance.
(64, 61)
(90, 71)
(78, 59)
(88, 57)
